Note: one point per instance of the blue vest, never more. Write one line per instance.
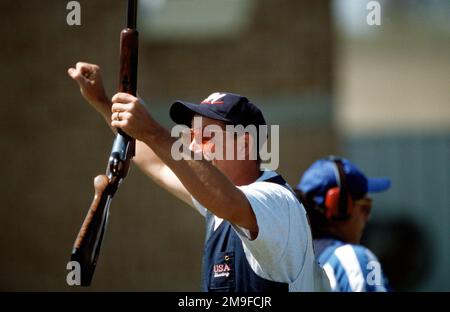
(225, 266)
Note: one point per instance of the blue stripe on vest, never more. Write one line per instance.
(342, 280)
(225, 267)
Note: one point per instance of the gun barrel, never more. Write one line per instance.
(132, 12)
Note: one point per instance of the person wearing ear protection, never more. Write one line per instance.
(334, 192)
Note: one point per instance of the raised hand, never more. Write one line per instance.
(89, 79)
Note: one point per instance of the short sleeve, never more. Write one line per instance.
(356, 269)
(199, 207)
(279, 250)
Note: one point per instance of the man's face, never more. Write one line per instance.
(357, 222)
(208, 137)
(217, 143)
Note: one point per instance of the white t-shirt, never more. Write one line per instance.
(282, 251)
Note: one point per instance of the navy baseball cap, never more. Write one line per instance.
(321, 176)
(231, 108)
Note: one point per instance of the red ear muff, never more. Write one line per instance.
(332, 202)
(332, 205)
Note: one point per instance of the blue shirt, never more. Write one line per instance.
(350, 268)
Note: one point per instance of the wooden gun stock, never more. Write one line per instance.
(88, 242)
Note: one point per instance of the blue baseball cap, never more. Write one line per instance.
(231, 108)
(321, 176)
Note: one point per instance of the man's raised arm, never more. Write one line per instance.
(88, 76)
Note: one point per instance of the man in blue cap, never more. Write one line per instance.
(258, 237)
(335, 194)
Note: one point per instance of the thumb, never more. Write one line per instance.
(77, 76)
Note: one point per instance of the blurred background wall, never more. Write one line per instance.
(378, 96)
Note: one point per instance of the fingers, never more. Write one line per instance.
(119, 107)
(123, 98)
(123, 107)
(89, 71)
(120, 115)
(87, 67)
(124, 102)
(77, 76)
(83, 72)
(131, 116)
(120, 119)
(115, 116)
(122, 124)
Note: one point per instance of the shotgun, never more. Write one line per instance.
(89, 239)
